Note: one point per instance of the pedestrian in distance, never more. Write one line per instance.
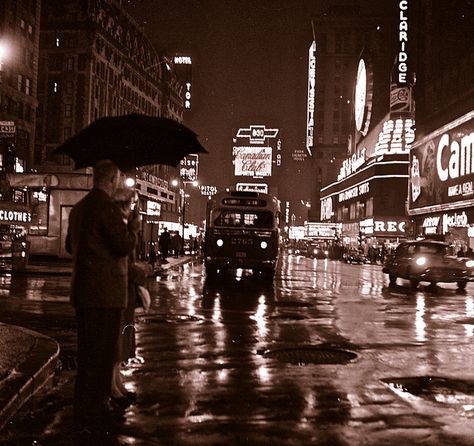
(137, 276)
(99, 241)
(152, 256)
(164, 243)
(177, 243)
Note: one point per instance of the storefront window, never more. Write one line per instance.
(38, 199)
(369, 207)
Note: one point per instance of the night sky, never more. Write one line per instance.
(249, 67)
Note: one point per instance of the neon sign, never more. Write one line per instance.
(350, 165)
(403, 40)
(311, 97)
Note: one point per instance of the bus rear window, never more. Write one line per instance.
(232, 218)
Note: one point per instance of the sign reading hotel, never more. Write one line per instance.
(183, 67)
(442, 166)
(253, 151)
(311, 98)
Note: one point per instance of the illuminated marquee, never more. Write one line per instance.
(311, 98)
(153, 208)
(354, 192)
(253, 161)
(257, 133)
(188, 168)
(397, 136)
(252, 187)
(11, 216)
(208, 191)
(350, 165)
(183, 66)
(442, 165)
(326, 208)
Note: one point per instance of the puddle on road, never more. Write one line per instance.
(435, 389)
(310, 355)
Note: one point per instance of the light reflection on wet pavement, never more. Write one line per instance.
(202, 376)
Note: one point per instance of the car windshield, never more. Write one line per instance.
(431, 249)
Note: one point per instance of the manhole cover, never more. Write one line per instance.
(311, 355)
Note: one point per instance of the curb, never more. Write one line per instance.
(28, 377)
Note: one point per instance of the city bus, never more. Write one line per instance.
(242, 231)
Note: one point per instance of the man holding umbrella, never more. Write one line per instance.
(99, 241)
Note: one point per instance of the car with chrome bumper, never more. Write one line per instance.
(428, 261)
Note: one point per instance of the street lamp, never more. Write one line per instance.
(183, 195)
(3, 55)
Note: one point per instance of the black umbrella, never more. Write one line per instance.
(131, 141)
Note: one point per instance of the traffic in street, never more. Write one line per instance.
(325, 353)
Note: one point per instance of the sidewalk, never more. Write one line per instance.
(28, 359)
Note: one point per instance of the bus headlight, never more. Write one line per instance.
(219, 242)
(421, 261)
(263, 245)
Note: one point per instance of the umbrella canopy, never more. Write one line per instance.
(131, 141)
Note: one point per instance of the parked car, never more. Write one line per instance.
(354, 256)
(428, 261)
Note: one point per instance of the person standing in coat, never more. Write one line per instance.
(164, 243)
(137, 275)
(99, 241)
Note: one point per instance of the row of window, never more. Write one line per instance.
(355, 211)
(15, 108)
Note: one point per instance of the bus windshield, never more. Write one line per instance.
(239, 218)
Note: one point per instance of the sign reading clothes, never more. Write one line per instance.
(14, 214)
(442, 166)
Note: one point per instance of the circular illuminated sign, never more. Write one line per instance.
(360, 95)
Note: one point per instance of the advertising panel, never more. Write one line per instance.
(311, 98)
(253, 161)
(442, 166)
(188, 168)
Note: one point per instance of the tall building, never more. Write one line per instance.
(19, 43)
(95, 61)
(343, 32)
(441, 187)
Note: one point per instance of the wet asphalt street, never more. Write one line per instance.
(326, 354)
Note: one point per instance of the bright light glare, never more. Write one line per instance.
(470, 263)
(421, 261)
(3, 51)
(263, 245)
(130, 182)
(220, 242)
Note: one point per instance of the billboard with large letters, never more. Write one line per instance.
(442, 168)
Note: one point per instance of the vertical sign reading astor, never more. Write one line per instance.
(311, 97)
(183, 66)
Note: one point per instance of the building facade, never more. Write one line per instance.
(94, 61)
(368, 199)
(441, 189)
(340, 41)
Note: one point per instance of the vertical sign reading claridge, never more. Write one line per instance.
(402, 64)
(311, 97)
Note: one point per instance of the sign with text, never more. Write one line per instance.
(252, 187)
(252, 161)
(188, 168)
(311, 98)
(7, 129)
(441, 165)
